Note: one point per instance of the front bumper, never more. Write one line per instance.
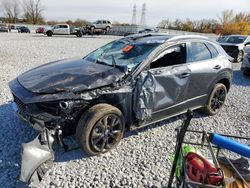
(37, 119)
(35, 154)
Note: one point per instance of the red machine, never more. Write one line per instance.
(200, 170)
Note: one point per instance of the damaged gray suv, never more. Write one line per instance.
(130, 82)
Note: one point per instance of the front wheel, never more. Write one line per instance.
(100, 129)
(49, 33)
(216, 100)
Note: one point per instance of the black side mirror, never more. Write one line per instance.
(247, 44)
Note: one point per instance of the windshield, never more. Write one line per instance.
(121, 53)
(234, 39)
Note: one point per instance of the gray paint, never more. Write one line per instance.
(34, 154)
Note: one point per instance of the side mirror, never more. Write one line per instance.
(247, 44)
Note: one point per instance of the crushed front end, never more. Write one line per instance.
(52, 119)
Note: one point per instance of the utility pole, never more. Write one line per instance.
(143, 16)
(134, 15)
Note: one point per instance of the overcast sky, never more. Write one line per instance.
(121, 10)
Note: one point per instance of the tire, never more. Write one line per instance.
(95, 133)
(239, 57)
(79, 34)
(49, 33)
(107, 28)
(216, 100)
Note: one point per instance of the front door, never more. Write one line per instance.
(164, 85)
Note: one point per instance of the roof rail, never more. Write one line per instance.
(187, 36)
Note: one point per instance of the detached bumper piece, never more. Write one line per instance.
(37, 158)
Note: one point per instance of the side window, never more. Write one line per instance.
(212, 50)
(104, 22)
(198, 52)
(98, 22)
(174, 55)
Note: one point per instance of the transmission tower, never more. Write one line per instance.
(143, 15)
(134, 15)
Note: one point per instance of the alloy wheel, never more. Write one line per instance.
(106, 133)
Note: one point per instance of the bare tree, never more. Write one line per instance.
(11, 10)
(33, 11)
(227, 17)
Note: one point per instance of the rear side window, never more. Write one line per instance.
(198, 51)
(213, 50)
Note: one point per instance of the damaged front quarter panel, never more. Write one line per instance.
(35, 154)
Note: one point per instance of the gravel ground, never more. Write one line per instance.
(142, 157)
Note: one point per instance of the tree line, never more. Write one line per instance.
(28, 11)
(227, 23)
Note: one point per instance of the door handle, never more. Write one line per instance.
(183, 75)
(217, 67)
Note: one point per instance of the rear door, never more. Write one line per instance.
(203, 62)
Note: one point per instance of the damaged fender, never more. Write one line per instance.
(35, 153)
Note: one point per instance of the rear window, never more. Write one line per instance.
(198, 52)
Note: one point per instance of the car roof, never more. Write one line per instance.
(161, 37)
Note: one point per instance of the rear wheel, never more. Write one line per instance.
(216, 100)
(100, 129)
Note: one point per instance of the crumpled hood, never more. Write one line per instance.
(69, 75)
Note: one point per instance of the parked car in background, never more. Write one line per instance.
(63, 29)
(23, 29)
(100, 24)
(245, 66)
(234, 44)
(40, 30)
(147, 30)
(4, 28)
(12, 27)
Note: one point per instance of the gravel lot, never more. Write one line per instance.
(142, 157)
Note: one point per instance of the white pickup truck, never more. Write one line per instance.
(63, 29)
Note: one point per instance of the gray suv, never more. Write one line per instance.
(128, 83)
(101, 24)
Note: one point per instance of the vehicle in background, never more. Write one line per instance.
(4, 28)
(63, 29)
(23, 29)
(40, 30)
(147, 30)
(13, 27)
(245, 66)
(234, 44)
(101, 25)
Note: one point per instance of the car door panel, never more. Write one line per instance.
(170, 86)
(159, 89)
(203, 73)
